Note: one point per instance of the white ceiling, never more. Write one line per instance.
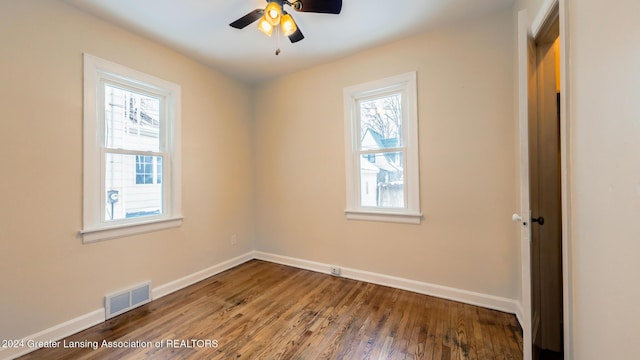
(200, 29)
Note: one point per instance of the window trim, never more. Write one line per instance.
(407, 85)
(97, 71)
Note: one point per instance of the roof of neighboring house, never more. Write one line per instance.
(383, 143)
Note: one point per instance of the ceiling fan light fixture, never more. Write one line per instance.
(287, 25)
(272, 13)
(265, 27)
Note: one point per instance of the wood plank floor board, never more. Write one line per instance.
(474, 334)
(261, 310)
(403, 330)
(440, 346)
(410, 335)
(515, 335)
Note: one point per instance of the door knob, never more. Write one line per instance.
(517, 218)
(539, 220)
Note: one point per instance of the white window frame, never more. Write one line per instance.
(406, 84)
(97, 72)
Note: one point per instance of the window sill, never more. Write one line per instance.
(93, 235)
(382, 216)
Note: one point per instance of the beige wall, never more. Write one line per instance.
(605, 147)
(533, 7)
(47, 276)
(465, 90)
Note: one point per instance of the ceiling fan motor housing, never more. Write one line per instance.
(296, 5)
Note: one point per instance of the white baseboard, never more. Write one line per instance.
(95, 317)
(55, 333)
(519, 313)
(449, 293)
(183, 282)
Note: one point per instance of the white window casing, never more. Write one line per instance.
(407, 208)
(99, 73)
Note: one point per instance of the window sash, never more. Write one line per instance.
(359, 149)
(358, 182)
(107, 79)
(131, 85)
(379, 95)
(164, 185)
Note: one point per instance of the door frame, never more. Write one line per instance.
(524, 33)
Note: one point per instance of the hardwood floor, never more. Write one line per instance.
(261, 310)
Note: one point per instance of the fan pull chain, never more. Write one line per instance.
(278, 41)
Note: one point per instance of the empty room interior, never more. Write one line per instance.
(359, 184)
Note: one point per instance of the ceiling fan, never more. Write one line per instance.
(274, 15)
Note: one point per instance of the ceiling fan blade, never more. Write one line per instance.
(296, 36)
(247, 19)
(321, 6)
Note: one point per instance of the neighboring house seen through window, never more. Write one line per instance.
(382, 150)
(132, 134)
(145, 170)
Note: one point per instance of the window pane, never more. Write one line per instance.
(132, 120)
(128, 193)
(381, 122)
(382, 180)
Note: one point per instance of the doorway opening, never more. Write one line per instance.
(546, 193)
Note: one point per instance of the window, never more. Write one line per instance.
(131, 152)
(381, 137)
(145, 170)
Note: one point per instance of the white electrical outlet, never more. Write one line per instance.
(234, 239)
(335, 270)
